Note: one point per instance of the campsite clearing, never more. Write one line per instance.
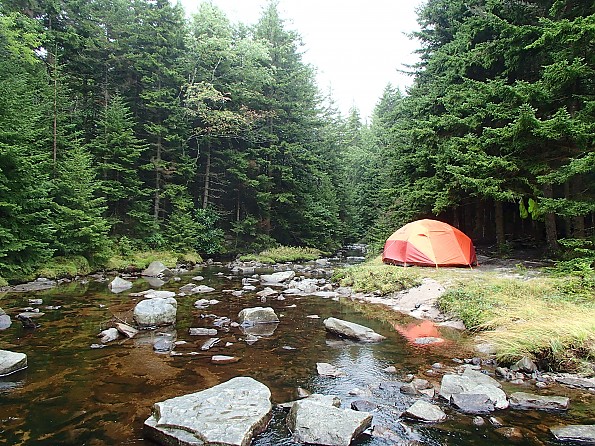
(521, 311)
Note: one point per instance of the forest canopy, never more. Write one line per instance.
(125, 125)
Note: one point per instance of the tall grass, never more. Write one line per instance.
(548, 318)
(374, 276)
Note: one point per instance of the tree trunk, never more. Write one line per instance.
(551, 236)
(578, 221)
(567, 220)
(500, 232)
(205, 196)
(157, 199)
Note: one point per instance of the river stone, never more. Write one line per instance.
(5, 321)
(156, 269)
(267, 292)
(574, 381)
(118, 285)
(311, 421)
(109, 335)
(524, 365)
(257, 315)
(156, 312)
(473, 383)
(228, 414)
(423, 411)
(200, 289)
(224, 359)
(160, 294)
(126, 330)
(352, 330)
(277, 278)
(12, 362)
(194, 331)
(306, 286)
(326, 369)
(523, 400)
(259, 329)
(474, 403)
(579, 433)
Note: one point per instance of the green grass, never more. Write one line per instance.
(376, 276)
(548, 318)
(140, 260)
(284, 254)
(60, 267)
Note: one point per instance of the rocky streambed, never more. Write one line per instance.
(270, 338)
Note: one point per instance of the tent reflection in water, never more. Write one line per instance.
(429, 243)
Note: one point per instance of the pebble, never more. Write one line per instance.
(478, 421)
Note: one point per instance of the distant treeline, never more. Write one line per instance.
(126, 126)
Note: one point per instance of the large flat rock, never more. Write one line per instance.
(228, 414)
(578, 433)
(472, 382)
(352, 330)
(277, 278)
(523, 400)
(11, 362)
(316, 422)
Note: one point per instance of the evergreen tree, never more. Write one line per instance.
(25, 230)
(117, 153)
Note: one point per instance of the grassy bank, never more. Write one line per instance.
(283, 254)
(68, 267)
(548, 317)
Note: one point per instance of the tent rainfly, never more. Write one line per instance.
(429, 243)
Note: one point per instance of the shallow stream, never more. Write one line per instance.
(72, 394)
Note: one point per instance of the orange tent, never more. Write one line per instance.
(429, 243)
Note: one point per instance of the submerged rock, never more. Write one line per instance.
(325, 369)
(579, 433)
(11, 362)
(352, 330)
(228, 414)
(315, 422)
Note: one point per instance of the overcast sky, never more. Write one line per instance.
(356, 46)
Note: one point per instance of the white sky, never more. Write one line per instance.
(357, 46)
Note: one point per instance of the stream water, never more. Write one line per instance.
(72, 394)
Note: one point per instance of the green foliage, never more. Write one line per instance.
(61, 267)
(578, 260)
(283, 254)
